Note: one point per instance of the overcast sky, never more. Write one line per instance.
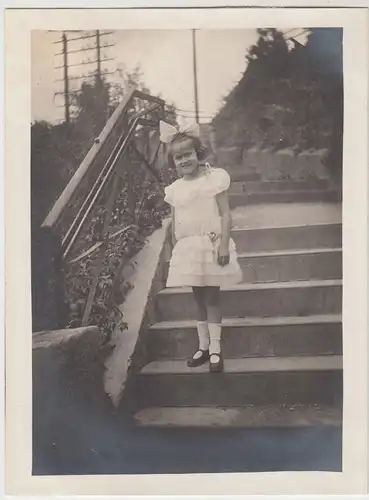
(165, 58)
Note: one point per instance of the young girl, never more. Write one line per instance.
(204, 256)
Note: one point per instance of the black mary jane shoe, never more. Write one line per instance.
(217, 366)
(193, 362)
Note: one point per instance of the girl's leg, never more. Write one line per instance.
(199, 296)
(202, 354)
(212, 304)
(215, 327)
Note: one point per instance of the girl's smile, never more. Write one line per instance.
(185, 158)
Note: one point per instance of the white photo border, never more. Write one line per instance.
(19, 24)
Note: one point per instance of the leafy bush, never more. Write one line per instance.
(56, 152)
(290, 96)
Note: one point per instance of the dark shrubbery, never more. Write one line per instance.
(56, 152)
(290, 96)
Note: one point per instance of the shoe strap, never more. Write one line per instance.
(215, 354)
(199, 350)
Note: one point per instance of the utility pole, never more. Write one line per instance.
(98, 74)
(195, 75)
(98, 58)
(66, 81)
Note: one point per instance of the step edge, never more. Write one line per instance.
(262, 286)
(242, 322)
(192, 413)
(295, 192)
(292, 226)
(330, 363)
(289, 181)
(293, 252)
(287, 253)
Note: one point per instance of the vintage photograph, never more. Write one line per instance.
(186, 240)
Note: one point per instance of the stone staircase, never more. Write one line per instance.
(283, 191)
(282, 328)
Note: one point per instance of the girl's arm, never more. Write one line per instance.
(173, 226)
(226, 222)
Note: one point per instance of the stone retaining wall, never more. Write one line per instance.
(69, 402)
(279, 165)
(138, 310)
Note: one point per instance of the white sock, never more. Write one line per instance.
(204, 338)
(215, 330)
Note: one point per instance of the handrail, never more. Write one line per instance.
(81, 171)
(65, 197)
(96, 176)
(100, 176)
(115, 153)
(110, 179)
(149, 97)
(100, 184)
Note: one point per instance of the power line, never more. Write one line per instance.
(196, 114)
(189, 111)
(93, 74)
(99, 60)
(203, 117)
(83, 63)
(85, 37)
(93, 47)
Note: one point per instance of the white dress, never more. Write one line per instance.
(197, 232)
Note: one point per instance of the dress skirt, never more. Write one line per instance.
(194, 262)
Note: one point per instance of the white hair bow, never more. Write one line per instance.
(169, 132)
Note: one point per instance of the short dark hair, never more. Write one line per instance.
(200, 150)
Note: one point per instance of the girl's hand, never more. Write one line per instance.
(224, 212)
(223, 256)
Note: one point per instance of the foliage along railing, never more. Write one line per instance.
(102, 216)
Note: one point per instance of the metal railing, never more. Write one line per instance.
(101, 200)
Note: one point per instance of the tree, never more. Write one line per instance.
(270, 49)
(290, 95)
(324, 49)
(92, 103)
(132, 79)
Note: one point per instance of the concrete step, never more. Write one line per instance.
(278, 186)
(265, 239)
(248, 417)
(244, 382)
(297, 298)
(289, 265)
(244, 199)
(282, 214)
(251, 337)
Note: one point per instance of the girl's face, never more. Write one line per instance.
(184, 157)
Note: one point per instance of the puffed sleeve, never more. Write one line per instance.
(219, 180)
(169, 194)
